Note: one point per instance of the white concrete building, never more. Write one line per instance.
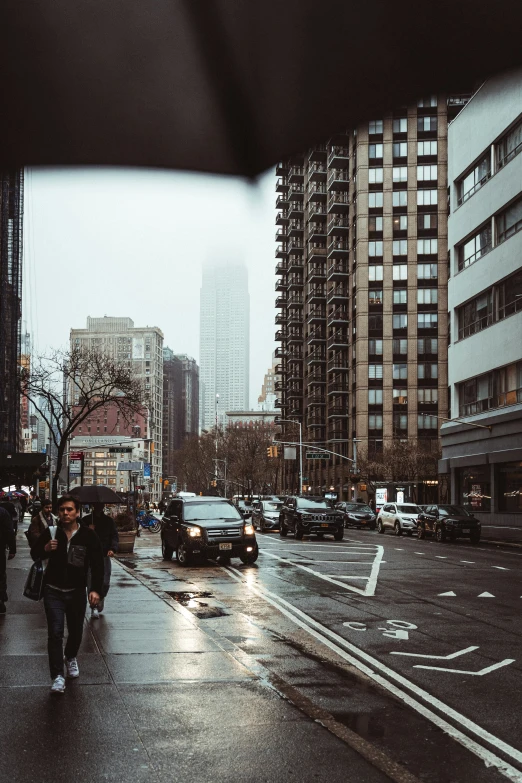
(484, 463)
(142, 349)
(224, 343)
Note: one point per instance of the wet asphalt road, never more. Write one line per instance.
(412, 645)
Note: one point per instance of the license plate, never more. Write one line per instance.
(225, 546)
(325, 524)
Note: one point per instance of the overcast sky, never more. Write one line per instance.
(133, 243)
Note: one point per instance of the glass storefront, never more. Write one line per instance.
(475, 488)
(509, 483)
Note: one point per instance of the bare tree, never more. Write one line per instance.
(399, 460)
(67, 386)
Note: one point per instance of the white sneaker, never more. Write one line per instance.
(71, 664)
(58, 685)
(95, 615)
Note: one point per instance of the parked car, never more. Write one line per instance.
(448, 522)
(399, 517)
(244, 508)
(357, 515)
(208, 527)
(304, 515)
(265, 514)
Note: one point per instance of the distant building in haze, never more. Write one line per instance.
(224, 343)
(180, 405)
(271, 383)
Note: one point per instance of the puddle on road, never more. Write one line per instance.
(199, 608)
(128, 563)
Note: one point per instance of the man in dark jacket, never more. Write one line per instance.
(7, 541)
(105, 528)
(71, 550)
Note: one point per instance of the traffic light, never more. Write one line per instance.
(270, 451)
(275, 451)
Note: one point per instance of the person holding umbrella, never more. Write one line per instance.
(105, 528)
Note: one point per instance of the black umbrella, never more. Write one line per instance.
(228, 86)
(95, 494)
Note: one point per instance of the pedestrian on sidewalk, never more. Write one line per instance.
(70, 554)
(40, 522)
(7, 541)
(105, 528)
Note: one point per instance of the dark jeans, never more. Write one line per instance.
(60, 606)
(3, 573)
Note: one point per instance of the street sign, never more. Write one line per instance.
(133, 466)
(146, 470)
(316, 455)
(119, 450)
(75, 455)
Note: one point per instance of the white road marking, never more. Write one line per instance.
(481, 673)
(485, 595)
(420, 553)
(399, 550)
(471, 562)
(441, 557)
(438, 657)
(336, 643)
(448, 594)
(501, 568)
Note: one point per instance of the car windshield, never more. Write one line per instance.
(446, 511)
(272, 506)
(195, 512)
(360, 507)
(408, 509)
(312, 503)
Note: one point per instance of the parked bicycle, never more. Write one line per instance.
(148, 522)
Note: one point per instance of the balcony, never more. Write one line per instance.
(316, 336)
(338, 388)
(338, 271)
(339, 248)
(316, 253)
(338, 179)
(338, 412)
(317, 232)
(280, 268)
(295, 210)
(281, 335)
(282, 218)
(282, 169)
(338, 340)
(294, 394)
(296, 192)
(281, 301)
(338, 293)
(280, 319)
(277, 403)
(316, 400)
(294, 336)
(294, 374)
(280, 353)
(317, 273)
(316, 356)
(295, 300)
(295, 264)
(294, 317)
(296, 174)
(294, 282)
(282, 201)
(316, 378)
(278, 386)
(316, 293)
(282, 250)
(338, 156)
(316, 210)
(316, 421)
(338, 226)
(317, 192)
(282, 185)
(295, 245)
(316, 314)
(295, 228)
(338, 202)
(338, 363)
(317, 153)
(280, 284)
(338, 434)
(338, 315)
(317, 172)
(281, 235)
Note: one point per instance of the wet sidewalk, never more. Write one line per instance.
(157, 700)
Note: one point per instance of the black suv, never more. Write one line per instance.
(445, 521)
(208, 527)
(357, 515)
(305, 515)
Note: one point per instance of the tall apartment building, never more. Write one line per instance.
(172, 410)
(483, 458)
(189, 394)
(224, 343)
(140, 348)
(362, 271)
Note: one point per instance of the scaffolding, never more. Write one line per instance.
(11, 242)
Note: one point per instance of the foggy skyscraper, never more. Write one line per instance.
(224, 342)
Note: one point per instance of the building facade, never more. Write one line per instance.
(140, 348)
(267, 398)
(224, 343)
(172, 410)
(189, 395)
(362, 281)
(483, 458)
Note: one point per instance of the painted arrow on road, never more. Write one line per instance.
(438, 657)
(481, 673)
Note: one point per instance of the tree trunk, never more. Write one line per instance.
(57, 471)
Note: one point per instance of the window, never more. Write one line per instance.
(400, 271)
(427, 221)
(509, 146)
(400, 321)
(474, 248)
(424, 103)
(427, 422)
(426, 173)
(400, 149)
(400, 198)
(426, 124)
(427, 370)
(400, 223)
(375, 222)
(374, 396)
(426, 198)
(375, 323)
(375, 296)
(427, 396)
(375, 126)
(427, 271)
(510, 486)
(400, 346)
(476, 315)
(400, 125)
(426, 148)
(375, 200)
(400, 247)
(427, 247)
(400, 396)
(475, 488)
(400, 173)
(400, 372)
(375, 347)
(473, 180)
(400, 296)
(427, 320)
(400, 421)
(375, 249)
(427, 345)
(375, 421)
(375, 151)
(427, 296)
(375, 176)
(375, 272)
(375, 371)
(510, 221)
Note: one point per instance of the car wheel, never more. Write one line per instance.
(183, 556)
(299, 532)
(250, 557)
(283, 530)
(475, 539)
(380, 527)
(166, 550)
(440, 535)
(397, 528)
(421, 533)
(339, 535)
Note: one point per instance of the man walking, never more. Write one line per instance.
(105, 528)
(7, 541)
(40, 522)
(71, 552)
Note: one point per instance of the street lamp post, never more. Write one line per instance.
(295, 421)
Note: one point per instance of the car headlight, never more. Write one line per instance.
(194, 532)
(249, 530)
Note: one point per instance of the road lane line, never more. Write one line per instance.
(318, 575)
(471, 562)
(501, 568)
(441, 557)
(481, 673)
(438, 657)
(336, 643)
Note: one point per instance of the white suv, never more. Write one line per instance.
(400, 517)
